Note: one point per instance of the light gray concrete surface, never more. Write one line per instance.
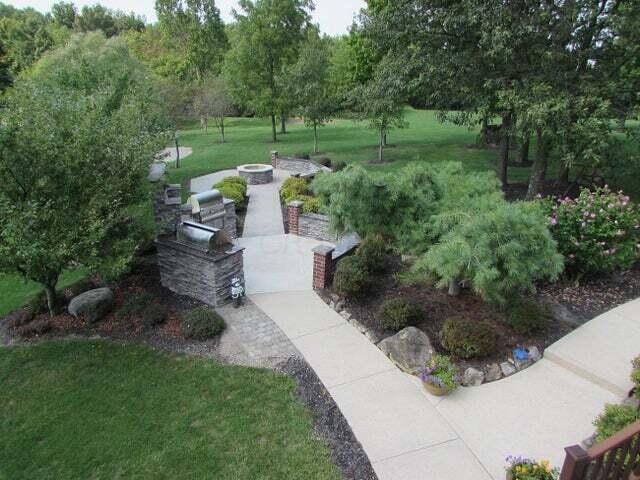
(277, 263)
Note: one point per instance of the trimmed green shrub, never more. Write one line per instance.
(614, 419)
(527, 317)
(373, 251)
(338, 165)
(155, 314)
(235, 181)
(467, 338)
(202, 323)
(351, 278)
(293, 188)
(310, 204)
(135, 305)
(235, 192)
(396, 314)
(598, 232)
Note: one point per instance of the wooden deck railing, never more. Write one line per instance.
(617, 458)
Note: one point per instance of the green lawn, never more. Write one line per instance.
(15, 291)
(248, 141)
(80, 410)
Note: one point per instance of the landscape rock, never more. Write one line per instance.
(563, 314)
(493, 372)
(410, 349)
(507, 368)
(332, 305)
(357, 325)
(339, 306)
(473, 377)
(346, 315)
(534, 354)
(93, 305)
(335, 297)
(372, 336)
(632, 402)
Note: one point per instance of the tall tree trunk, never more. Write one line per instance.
(381, 147)
(384, 140)
(621, 122)
(505, 143)
(273, 128)
(539, 168)
(563, 177)
(283, 125)
(50, 291)
(222, 127)
(177, 152)
(523, 155)
(315, 138)
(484, 132)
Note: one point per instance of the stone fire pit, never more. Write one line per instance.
(256, 174)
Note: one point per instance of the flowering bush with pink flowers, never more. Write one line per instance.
(599, 232)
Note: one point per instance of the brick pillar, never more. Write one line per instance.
(274, 159)
(322, 267)
(294, 210)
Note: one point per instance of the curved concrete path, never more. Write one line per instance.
(408, 434)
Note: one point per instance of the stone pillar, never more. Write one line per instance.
(274, 159)
(294, 210)
(322, 266)
(230, 219)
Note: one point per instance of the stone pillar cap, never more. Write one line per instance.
(295, 203)
(324, 250)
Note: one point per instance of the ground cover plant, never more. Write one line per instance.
(148, 414)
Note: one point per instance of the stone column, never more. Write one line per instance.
(274, 159)
(322, 266)
(294, 210)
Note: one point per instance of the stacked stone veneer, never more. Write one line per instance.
(299, 166)
(207, 277)
(309, 225)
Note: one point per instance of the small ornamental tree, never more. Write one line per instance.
(501, 250)
(599, 232)
(212, 102)
(73, 163)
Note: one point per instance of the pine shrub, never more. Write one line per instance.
(202, 323)
(467, 338)
(235, 181)
(397, 313)
(351, 278)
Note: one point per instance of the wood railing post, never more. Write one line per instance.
(576, 463)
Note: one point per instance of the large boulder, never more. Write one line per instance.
(93, 305)
(410, 349)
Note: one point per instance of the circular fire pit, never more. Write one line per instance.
(256, 174)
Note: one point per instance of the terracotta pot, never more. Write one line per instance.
(435, 390)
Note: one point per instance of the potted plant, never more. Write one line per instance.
(440, 377)
(519, 468)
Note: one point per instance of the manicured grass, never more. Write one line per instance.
(15, 291)
(79, 410)
(248, 141)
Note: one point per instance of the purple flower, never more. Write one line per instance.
(553, 221)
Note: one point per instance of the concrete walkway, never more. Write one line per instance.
(408, 434)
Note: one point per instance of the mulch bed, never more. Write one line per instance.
(584, 301)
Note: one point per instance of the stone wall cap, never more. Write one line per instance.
(317, 216)
(323, 249)
(295, 203)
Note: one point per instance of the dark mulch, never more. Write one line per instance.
(330, 424)
(584, 301)
(518, 191)
(591, 297)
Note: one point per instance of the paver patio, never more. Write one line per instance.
(409, 434)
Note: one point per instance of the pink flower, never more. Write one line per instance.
(553, 221)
